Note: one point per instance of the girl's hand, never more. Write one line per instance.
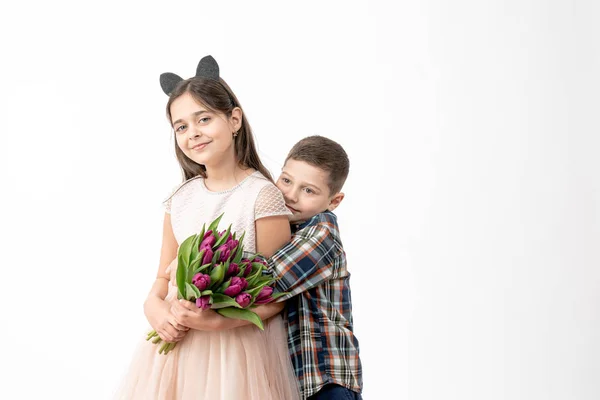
(189, 315)
(164, 322)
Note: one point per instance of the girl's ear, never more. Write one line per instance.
(335, 201)
(236, 119)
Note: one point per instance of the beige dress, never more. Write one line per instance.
(243, 363)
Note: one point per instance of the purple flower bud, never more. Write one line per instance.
(261, 261)
(225, 252)
(232, 244)
(208, 255)
(201, 281)
(264, 296)
(243, 299)
(266, 291)
(236, 286)
(248, 269)
(208, 241)
(233, 269)
(203, 302)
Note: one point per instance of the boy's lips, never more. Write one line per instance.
(292, 209)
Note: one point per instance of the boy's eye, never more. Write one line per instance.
(309, 191)
(285, 180)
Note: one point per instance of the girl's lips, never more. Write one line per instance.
(199, 146)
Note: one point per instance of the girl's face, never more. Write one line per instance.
(204, 136)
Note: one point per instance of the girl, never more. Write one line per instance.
(216, 357)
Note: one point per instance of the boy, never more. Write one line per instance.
(312, 269)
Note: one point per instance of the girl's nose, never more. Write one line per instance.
(194, 132)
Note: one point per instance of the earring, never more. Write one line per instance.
(235, 134)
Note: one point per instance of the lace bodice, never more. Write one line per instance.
(193, 204)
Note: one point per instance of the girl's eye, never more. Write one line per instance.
(285, 180)
(309, 191)
(203, 120)
(180, 128)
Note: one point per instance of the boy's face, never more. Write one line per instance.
(305, 190)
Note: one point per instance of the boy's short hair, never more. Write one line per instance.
(325, 154)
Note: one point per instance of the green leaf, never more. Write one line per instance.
(201, 234)
(240, 313)
(239, 250)
(186, 248)
(278, 295)
(223, 286)
(180, 277)
(213, 225)
(191, 292)
(195, 247)
(206, 293)
(222, 301)
(254, 277)
(217, 275)
(202, 268)
(193, 265)
(223, 238)
(216, 257)
(256, 290)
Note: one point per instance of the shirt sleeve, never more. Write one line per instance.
(310, 259)
(270, 203)
(167, 205)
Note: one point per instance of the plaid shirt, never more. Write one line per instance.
(312, 269)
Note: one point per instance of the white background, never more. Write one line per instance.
(471, 218)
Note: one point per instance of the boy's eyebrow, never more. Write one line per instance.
(195, 114)
(314, 186)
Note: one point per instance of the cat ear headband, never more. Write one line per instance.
(207, 68)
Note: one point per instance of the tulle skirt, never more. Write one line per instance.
(243, 363)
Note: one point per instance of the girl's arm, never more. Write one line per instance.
(157, 311)
(271, 234)
(168, 254)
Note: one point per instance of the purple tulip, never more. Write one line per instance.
(225, 252)
(264, 296)
(266, 291)
(243, 299)
(233, 269)
(248, 269)
(232, 244)
(208, 241)
(261, 261)
(201, 281)
(203, 302)
(208, 255)
(236, 286)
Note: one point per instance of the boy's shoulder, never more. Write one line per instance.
(326, 220)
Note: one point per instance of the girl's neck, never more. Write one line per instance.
(225, 176)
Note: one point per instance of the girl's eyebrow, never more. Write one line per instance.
(195, 114)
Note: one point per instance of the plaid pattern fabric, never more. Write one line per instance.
(312, 269)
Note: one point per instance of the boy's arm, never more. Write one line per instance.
(310, 259)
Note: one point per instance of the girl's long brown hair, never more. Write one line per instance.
(218, 97)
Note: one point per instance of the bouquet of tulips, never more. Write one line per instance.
(214, 272)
